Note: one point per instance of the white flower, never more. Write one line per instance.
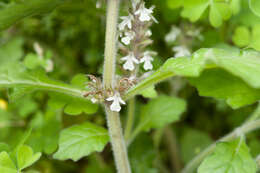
(147, 59)
(181, 51)
(148, 33)
(127, 21)
(134, 3)
(117, 100)
(145, 14)
(130, 59)
(173, 34)
(128, 37)
(93, 100)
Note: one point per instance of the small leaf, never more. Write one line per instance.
(160, 112)
(194, 9)
(229, 157)
(241, 36)
(150, 92)
(26, 157)
(6, 164)
(255, 6)
(81, 140)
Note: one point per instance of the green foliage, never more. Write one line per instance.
(241, 36)
(11, 51)
(15, 12)
(74, 106)
(242, 66)
(14, 75)
(80, 140)
(6, 164)
(192, 143)
(45, 134)
(219, 10)
(229, 157)
(24, 157)
(142, 155)
(149, 92)
(73, 37)
(255, 6)
(160, 112)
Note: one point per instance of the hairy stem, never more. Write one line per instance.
(244, 129)
(113, 118)
(130, 118)
(118, 143)
(110, 43)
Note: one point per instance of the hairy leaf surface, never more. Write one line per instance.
(81, 140)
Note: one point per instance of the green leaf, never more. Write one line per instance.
(194, 9)
(17, 11)
(45, 136)
(235, 6)
(150, 92)
(241, 36)
(81, 140)
(219, 10)
(233, 89)
(242, 66)
(11, 50)
(6, 164)
(255, 6)
(174, 3)
(74, 106)
(26, 157)
(14, 75)
(160, 112)
(229, 157)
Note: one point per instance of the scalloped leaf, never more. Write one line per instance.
(81, 140)
(241, 70)
(229, 157)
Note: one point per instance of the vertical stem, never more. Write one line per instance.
(113, 118)
(118, 143)
(110, 43)
(130, 118)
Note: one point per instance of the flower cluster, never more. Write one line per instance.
(182, 39)
(98, 94)
(134, 35)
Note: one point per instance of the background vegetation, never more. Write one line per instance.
(72, 38)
